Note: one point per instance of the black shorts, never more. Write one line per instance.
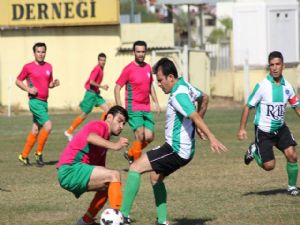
(264, 141)
(164, 160)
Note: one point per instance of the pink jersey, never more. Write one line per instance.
(138, 82)
(38, 76)
(76, 150)
(97, 76)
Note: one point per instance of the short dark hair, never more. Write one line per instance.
(139, 43)
(275, 54)
(101, 55)
(39, 44)
(118, 109)
(167, 67)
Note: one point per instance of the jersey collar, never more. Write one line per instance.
(271, 79)
(176, 85)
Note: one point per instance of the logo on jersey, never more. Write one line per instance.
(275, 111)
(287, 92)
(48, 72)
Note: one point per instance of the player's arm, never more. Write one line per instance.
(202, 103)
(117, 92)
(215, 144)
(297, 110)
(155, 100)
(101, 142)
(94, 83)
(54, 83)
(242, 133)
(31, 90)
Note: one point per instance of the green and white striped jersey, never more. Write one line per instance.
(180, 130)
(270, 101)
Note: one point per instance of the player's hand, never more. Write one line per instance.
(56, 83)
(201, 134)
(158, 109)
(242, 134)
(32, 91)
(105, 87)
(216, 146)
(123, 142)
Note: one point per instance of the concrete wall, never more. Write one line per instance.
(231, 83)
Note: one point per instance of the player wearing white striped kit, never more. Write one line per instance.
(270, 98)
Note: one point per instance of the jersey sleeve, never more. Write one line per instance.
(23, 74)
(294, 99)
(51, 75)
(195, 93)
(122, 80)
(94, 74)
(182, 103)
(255, 97)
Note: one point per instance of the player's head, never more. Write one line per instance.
(276, 64)
(139, 50)
(101, 59)
(116, 118)
(39, 51)
(166, 74)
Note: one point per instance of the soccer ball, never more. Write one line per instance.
(111, 217)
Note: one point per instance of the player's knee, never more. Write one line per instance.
(115, 175)
(48, 126)
(268, 167)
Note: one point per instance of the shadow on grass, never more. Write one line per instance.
(126, 170)
(270, 192)
(5, 190)
(186, 221)
(51, 162)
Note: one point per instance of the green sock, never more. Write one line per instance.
(160, 194)
(131, 189)
(292, 171)
(257, 158)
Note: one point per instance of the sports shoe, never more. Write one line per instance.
(127, 220)
(24, 161)
(69, 136)
(81, 222)
(248, 157)
(128, 157)
(165, 223)
(39, 159)
(293, 191)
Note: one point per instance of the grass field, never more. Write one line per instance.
(212, 189)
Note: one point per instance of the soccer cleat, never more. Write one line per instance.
(127, 220)
(248, 157)
(39, 159)
(69, 136)
(128, 157)
(24, 161)
(81, 222)
(165, 223)
(293, 191)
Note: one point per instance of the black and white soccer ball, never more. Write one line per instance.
(111, 217)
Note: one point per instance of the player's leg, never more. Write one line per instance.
(136, 122)
(42, 139)
(102, 103)
(286, 144)
(30, 141)
(86, 106)
(133, 182)
(149, 128)
(160, 195)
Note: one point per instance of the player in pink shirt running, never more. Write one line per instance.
(137, 77)
(38, 76)
(81, 166)
(92, 96)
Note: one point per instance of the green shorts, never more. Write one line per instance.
(90, 100)
(39, 111)
(75, 177)
(141, 119)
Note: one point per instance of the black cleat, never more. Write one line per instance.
(39, 160)
(128, 158)
(127, 220)
(248, 157)
(293, 191)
